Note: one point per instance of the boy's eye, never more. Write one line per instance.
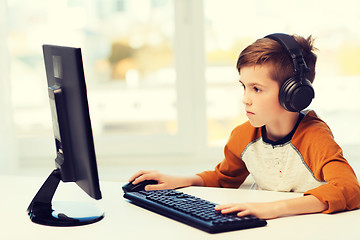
(257, 89)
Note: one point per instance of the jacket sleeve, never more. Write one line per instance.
(342, 191)
(232, 172)
(325, 159)
(229, 173)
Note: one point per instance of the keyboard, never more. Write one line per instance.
(191, 210)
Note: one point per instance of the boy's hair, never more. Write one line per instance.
(268, 51)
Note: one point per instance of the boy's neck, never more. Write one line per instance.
(283, 127)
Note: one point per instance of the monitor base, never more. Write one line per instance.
(65, 214)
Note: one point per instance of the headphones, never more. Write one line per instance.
(296, 93)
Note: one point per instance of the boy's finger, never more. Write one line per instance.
(138, 174)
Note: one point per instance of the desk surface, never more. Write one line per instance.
(124, 220)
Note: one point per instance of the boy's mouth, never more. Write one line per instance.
(248, 113)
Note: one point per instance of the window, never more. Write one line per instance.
(161, 78)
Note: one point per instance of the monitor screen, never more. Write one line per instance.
(75, 159)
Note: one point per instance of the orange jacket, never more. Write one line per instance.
(310, 162)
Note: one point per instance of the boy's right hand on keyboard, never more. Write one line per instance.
(165, 181)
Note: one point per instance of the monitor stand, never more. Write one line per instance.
(42, 211)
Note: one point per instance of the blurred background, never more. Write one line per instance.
(162, 85)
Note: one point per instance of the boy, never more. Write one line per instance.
(282, 147)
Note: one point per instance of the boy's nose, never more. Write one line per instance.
(246, 100)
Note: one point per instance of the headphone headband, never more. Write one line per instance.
(294, 51)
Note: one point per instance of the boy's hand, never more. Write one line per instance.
(269, 210)
(266, 210)
(164, 181)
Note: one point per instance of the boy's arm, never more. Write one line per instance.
(342, 190)
(230, 173)
(269, 210)
(324, 157)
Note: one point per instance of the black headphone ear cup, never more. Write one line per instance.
(295, 95)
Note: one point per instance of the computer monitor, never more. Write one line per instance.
(75, 154)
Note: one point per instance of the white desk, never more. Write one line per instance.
(126, 221)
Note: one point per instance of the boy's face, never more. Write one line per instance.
(261, 96)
